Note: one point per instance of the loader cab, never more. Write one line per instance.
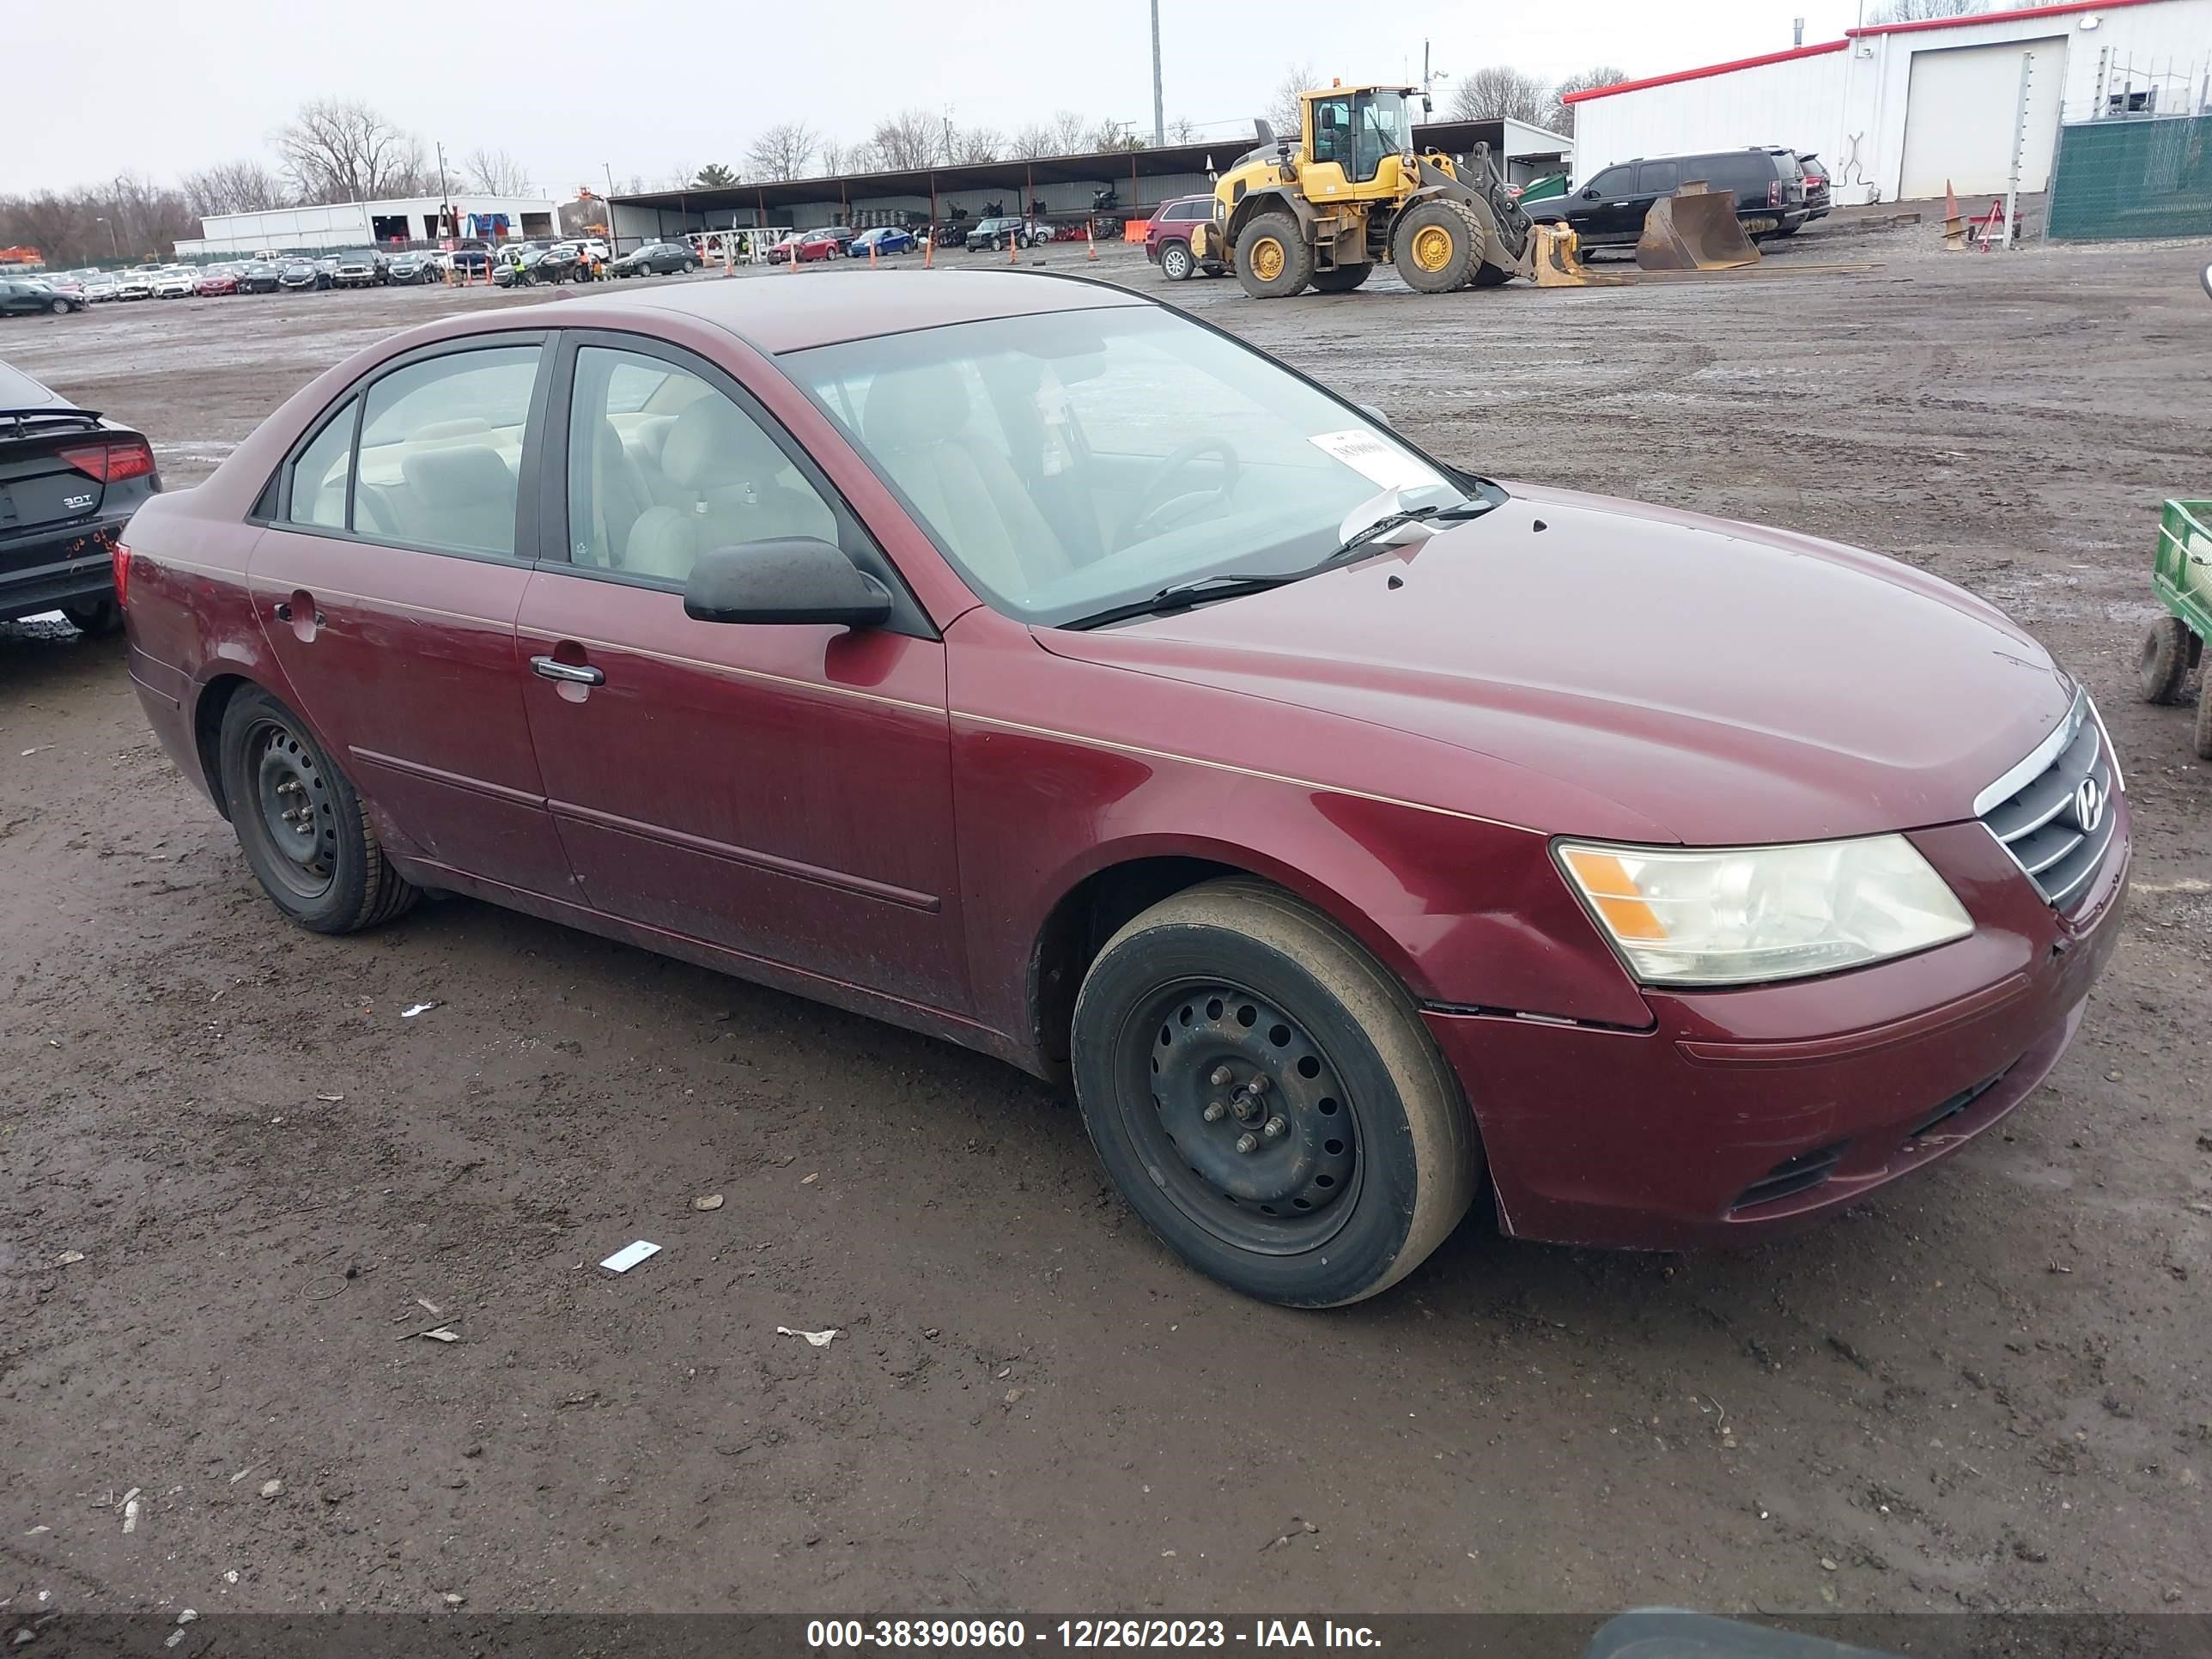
(1355, 139)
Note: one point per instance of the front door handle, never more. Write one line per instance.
(575, 674)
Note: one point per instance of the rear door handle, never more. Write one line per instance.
(284, 612)
(575, 674)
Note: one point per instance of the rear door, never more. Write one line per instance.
(1654, 180)
(387, 582)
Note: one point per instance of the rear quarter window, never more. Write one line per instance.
(1745, 172)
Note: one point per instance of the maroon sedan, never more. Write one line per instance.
(1020, 660)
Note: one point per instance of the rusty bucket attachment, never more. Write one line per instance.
(1553, 252)
(1694, 229)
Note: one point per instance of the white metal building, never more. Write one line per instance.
(359, 224)
(1899, 109)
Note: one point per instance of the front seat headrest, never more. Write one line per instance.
(713, 444)
(910, 407)
(464, 475)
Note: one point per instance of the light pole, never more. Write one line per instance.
(1159, 115)
(613, 245)
(446, 226)
(114, 247)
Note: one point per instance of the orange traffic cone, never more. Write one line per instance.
(872, 256)
(1090, 244)
(1954, 228)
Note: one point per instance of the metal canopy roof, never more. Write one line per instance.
(1102, 167)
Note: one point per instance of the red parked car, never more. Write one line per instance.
(1022, 662)
(1167, 238)
(829, 244)
(216, 281)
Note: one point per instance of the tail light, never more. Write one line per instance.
(112, 463)
(1774, 193)
(118, 557)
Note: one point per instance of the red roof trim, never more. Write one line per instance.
(1715, 69)
(1972, 19)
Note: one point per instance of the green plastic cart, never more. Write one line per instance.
(2181, 577)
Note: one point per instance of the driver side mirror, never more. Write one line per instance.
(790, 579)
(1591, 194)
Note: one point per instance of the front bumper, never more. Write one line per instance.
(1740, 1112)
(71, 564)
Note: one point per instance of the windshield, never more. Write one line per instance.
(1073, 461)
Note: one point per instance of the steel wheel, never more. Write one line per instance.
(1431, 248)
(1174, 262)
(293, 798)
(1250, 1124)
(1267, 259)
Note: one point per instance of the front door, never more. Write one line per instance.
(1604, 207)
(782, 792)
(387, 584)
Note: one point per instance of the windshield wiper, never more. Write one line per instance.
(1390, 521)
(1181, 596)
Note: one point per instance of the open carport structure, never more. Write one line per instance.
(1141, 179)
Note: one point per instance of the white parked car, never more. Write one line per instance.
(176, 283)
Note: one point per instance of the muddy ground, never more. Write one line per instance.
(1987, 1389)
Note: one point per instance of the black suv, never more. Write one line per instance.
(1609, 210)
(69, 481)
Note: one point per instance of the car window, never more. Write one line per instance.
(1613, 181)
(320, 476)
(1744, 172)
(1067, 461)
(1657, 177)
(442, 449)
(663, 467)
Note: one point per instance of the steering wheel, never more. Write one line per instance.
(1161, 494)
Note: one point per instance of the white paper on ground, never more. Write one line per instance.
(1382, 463)
(819, 1339)
(628, 1256)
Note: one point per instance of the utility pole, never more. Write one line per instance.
(446, 225)
(1429, 77)
(1159, 109)
(613, 245)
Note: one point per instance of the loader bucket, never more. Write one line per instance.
(1694, 229)
(1552, 249)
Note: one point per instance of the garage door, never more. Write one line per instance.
(1959, 113)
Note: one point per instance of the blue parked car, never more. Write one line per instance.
(883, 239)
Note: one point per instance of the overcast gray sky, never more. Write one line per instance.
(166, 86)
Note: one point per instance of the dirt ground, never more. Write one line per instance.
(232, 1172)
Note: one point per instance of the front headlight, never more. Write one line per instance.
(1738, 916)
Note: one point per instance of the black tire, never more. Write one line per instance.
(1342, 280)
(1175, 263)
(101, 616)
(1273, 259)
(330, 874)
(2204, 718)
(1490, 277)
(1436, 246)
(2163, 669)
(1361, 1156)
(1788, 230)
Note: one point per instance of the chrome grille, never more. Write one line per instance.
(2057, 810)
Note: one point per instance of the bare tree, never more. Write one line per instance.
(912, 139)
(1919, 11)
(126, 218)
(1115, 135)
(337, 150)
(1562, 119)
(1499, 92)
(1070, 132)
(1030, 142)
(783, 151)
(1285, 106)
(240, 186)
(496, 173)
(964, 146)
(1182, 130)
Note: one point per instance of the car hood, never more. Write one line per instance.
(1722, 682)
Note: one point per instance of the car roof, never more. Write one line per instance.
(782, 315)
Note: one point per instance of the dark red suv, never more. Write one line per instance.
(1167, 238)
(1018, 659)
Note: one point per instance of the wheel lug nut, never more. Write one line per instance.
(1247, 1142)
(1215, 1111)
(1222, 1077)
(1259, 1083)
(1275, 1128)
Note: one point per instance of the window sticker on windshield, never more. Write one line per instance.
(1382, 464)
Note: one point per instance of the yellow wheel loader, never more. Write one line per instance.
(1350, 193)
